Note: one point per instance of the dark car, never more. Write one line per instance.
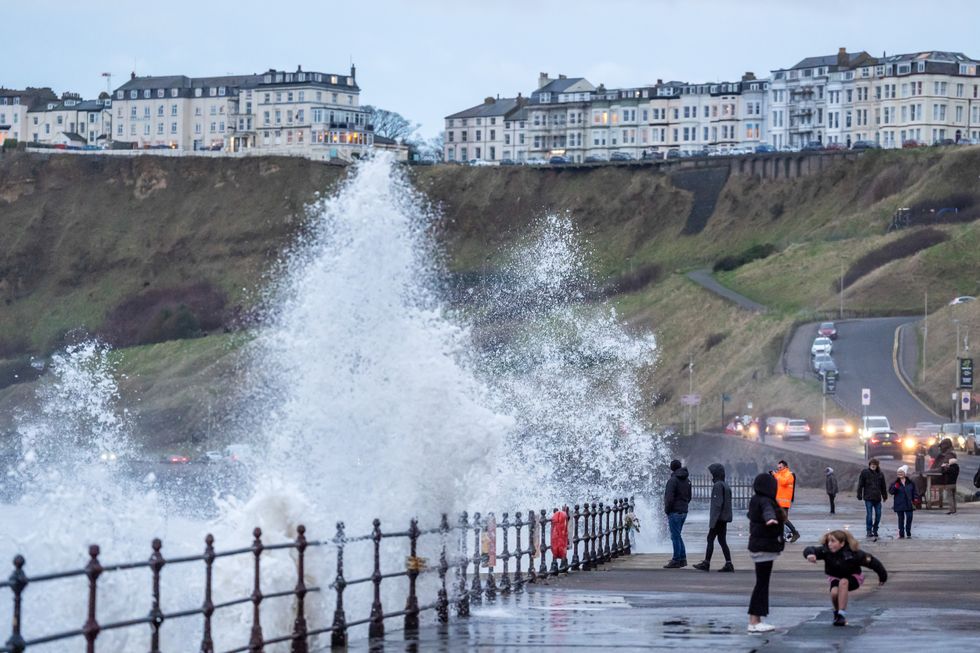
(835, 147)
(883, 443)
(813, 146)
(764, 149)
(827, 330)
(620, 156)
(559, 160)
(651, 155)
(912, 143)
(944, 141)
(595, 158)
(864, 145)
(673, 154)
(508, 162)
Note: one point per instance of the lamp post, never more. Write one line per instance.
(842, 289)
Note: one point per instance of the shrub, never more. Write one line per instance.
(906, 246)
(165, 314)
(728, 263)
(634, 280)
(713, 340)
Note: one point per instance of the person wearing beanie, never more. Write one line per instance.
(831, 487)
(906, 495)
(951, 472)
(843, 560)
(677, 496)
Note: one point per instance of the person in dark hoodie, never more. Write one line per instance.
(677, 496)
(951, 473)
(766, 541)
(873, 490)
(719, 516)
(843, 560)
(831, 487)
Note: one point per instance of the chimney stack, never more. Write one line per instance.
(842, 59)
(560, 76)
(543, 80)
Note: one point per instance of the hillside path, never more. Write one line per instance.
(704, 279)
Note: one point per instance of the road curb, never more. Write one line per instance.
(900, 370)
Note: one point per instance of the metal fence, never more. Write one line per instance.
(595, 532)
(701, 485)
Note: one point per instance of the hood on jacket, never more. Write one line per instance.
(717, 471)
(829, 471)
(681, 473)
(765, 484)
(945, 445)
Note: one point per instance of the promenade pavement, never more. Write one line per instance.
(931, 600)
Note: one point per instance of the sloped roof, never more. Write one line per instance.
(559, 85)
(930, 55)
(831, 60)
(499, 107)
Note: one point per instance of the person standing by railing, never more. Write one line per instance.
(719, 516)
(677, 496)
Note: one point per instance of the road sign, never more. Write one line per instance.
(726, 397)
(865, 396)
(690, 400)
(830, 383)
(966, 374)
(965, 401)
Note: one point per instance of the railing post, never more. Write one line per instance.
(412, 603)
(586, 560)
(607, 552)
(617, 525)
(442, 607)
(463, 596)
(338, 636)
(564, 561)
(601, 532)
(207, 644)
(476, 591)
(490, 529)
(595, 536)
(505, 556)
(256, 641)
(554, 561)
(532, 520)
(156, 614)
(18, 581)
(543, 566)
(300, 644)
(93, 570)
(575, 560)
(630, 507)
(376, 629)
(518, 554)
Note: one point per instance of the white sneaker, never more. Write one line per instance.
(761, 627)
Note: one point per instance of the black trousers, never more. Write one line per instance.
(759, 603)
(832, 497)
(721, 532)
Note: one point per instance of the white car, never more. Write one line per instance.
(535, 161)
(962, 299)
(872, 424)
(821, 345)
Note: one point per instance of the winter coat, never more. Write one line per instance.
(721, 497)
(763, 507)
(904, 495)
(832, 484)
(941, 453)
(952, 473)
(677, 493)
(786, 491)
(871, 485)
(846, 563)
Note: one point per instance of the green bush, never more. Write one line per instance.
(906, 246)
(728, 263)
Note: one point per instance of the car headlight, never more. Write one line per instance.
(104, 456)
(830, 429)
(848, 429)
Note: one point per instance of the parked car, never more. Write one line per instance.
(508, 162)
(535, 161)
(673, 153)
(826, 366)
(939, 142)
(827, 330)
(813, 146)
(821, 345)
(797, 429)
(912, 143)
(652, 155)
(871, 424)
(819, 360)
(962, 299)
(883, 443)
(595, 158)
(764, 149)
(835, 147)
(620, 156)
(864, 145)
(559, 160)
(836, 427)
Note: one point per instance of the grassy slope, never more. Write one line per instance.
(88, 236)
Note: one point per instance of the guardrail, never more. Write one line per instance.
(601, 530)
(701, 485)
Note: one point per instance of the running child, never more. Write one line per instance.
(843, 560)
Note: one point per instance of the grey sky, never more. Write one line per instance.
(428, 58)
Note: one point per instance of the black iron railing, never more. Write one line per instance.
(600, 531)
(701, 485)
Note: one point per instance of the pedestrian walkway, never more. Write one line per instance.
(931, 600)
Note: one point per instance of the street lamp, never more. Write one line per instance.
(842, 289)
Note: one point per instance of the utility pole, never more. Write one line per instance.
(842, 289)
(108, 83)
(956, 370)
(690, 390)
(925, 335)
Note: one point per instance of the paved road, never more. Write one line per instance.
(703, 278)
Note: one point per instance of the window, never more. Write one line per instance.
(173, 109)
(173, 92)
(197, 92)
(146, 93)
(159, 128)
(173, 128)
(160, 110)
(214, 127)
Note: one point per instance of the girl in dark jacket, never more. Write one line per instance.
(766, 541)
(843, 560)
(906, 494)
(719, 516)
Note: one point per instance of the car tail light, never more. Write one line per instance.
(874, 440)
(806, 427)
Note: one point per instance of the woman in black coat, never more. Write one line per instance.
(766, 541)
(719, 516)
(906, 494)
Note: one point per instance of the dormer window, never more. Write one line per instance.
(333, 79)
(133, 95)
(904, 68)
(119, 95)
(267, 79)
(146, 93)
(922, 66)
(301, 77)
(213, 92)
(278, 78)
(159, 92)
(221, 91)
(350, 81)
(197, 92)
(173, 92)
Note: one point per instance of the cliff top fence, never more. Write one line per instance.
(701, 485)
(593, 533)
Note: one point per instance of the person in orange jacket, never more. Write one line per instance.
(785, 493)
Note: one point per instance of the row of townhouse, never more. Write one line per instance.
(571, 117)
(313, 113)
(842, 98)
(37, 115)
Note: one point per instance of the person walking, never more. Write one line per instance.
(719, 516)
(905, 493)
(677, 496)
(842, 561)
(831, 487)
(872, 489)
(951, 472)
(766, 542)
(786, 482)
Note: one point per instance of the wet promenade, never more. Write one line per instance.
(931, 602)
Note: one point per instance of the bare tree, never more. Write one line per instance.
(390, 124)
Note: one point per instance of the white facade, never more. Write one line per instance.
(14, 107)
(70, 122)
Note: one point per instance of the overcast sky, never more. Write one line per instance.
(428, 58)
